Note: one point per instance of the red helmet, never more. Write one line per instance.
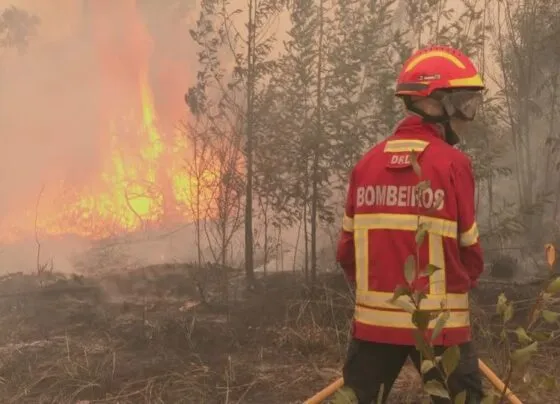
(437, 68)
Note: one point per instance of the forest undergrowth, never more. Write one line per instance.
(145, 336)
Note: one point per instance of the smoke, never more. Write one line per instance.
(58, 104)
(81, 72)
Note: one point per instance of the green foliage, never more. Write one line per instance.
(550, 316)
(421, 233)
(461, 398)
(404, 305)
(440, 323)
(554, 286)
(523, 355)
(345, 395)
(522, 336)
(450, 359)
(491, 398)
(528, 338)
(380, 395)
(445, 364)
(421, 319)
(410, 269)
(436, 389)
(429, 270)
(426, 366)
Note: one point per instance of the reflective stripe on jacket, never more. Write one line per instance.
(379, 225)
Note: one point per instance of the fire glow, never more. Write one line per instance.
(141, 181)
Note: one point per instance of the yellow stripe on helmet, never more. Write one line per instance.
(474, 81)
(434, 54)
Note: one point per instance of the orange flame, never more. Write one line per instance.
(142, 181)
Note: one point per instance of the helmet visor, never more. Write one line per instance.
(462, 104)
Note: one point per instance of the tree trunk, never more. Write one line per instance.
(557, 202)
(552, 149)
(249, 270)
(266, 251)
(296, 247)
(317, 149)
(223, 225)
(305, 243)
(314, 220)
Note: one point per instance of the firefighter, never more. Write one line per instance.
(441, 90)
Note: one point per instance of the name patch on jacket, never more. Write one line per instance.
(399, 195)
(399, 151)
(400, 160)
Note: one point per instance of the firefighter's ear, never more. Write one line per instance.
(403, 105)
(429, 106)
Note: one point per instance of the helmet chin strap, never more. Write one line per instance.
(451, 137)
(442, 121)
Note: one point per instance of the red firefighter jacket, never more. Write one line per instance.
(379, 226)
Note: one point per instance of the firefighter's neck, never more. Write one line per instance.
(431, 107)
(440, 129)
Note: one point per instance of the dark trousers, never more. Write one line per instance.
(370, 365)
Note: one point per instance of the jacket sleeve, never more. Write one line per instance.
(469, 243)
(345, 252)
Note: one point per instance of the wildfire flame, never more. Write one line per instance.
(141, 181)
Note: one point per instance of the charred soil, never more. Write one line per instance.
(171, 334)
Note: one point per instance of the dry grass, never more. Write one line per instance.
(143, 337)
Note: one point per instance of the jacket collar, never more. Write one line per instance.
(414, 125)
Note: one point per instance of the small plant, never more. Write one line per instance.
(521, 348)
(448, 361)
(345, 395)
(519, 353)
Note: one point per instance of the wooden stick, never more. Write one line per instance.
(326, 392)
(497, 382)
(486, 371)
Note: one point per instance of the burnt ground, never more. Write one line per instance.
(148, 336)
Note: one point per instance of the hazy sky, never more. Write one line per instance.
(60, 17)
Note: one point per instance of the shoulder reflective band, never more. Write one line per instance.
(405, 145)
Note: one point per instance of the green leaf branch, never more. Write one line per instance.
(447, 362)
